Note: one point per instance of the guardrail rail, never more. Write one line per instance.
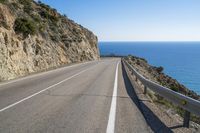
(188, 104)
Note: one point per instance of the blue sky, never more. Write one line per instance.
(135, 20)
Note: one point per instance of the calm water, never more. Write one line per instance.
(181, 60)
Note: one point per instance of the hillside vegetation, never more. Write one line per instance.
(35, 37)
(157, 75)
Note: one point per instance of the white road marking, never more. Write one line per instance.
(12, 105)
(39, 74)
(111, 120)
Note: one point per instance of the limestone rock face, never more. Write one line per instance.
(62, 43)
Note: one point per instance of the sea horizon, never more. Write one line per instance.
(149, 41)
(179, 59)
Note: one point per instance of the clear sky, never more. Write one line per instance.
(135, 20)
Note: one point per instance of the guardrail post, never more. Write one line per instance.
(145, 89)
(186, 120)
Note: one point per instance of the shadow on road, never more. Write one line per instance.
(152, 120)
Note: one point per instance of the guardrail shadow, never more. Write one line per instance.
(152, 120)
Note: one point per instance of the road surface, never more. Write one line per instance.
(91, 97)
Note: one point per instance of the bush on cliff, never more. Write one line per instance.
(174, 88)
(3, 1)
(25, 2)
(159, 69)
(25, 26)
(28, 9)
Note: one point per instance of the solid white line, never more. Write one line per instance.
(5, 108)
(111, 120)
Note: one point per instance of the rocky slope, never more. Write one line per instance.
(35, 37)
(156, 74)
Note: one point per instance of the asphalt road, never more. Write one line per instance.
(91, 97)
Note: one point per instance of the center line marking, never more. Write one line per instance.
(12, 105)
(111, 120)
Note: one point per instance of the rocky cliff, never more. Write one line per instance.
(167, 112)
(157, 75)
(35, 37)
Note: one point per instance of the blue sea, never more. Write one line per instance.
(181, 60)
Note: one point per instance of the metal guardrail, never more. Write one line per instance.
(187, 103)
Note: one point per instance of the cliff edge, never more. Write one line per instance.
(34, 37)
(157, 75)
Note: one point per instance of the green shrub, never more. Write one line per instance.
(195, 118)
(55, 38)
(4, 24)
(28, 9)
(44, 14)
(25, 2)
(54, 19)
(48, 13)
(42, 27)
(159, 69)
(44, 6)
(13, 6)
(174, 88)
(3, 1)
(36, 17)
(25, 26)
(48, 16)
(138, 62)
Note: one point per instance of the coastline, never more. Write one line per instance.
(157, 75)
(180, 59)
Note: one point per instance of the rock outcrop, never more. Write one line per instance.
(35, 37)
(156, 74)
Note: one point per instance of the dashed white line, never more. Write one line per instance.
(24, 99)
(42, 73)
(111, 120)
